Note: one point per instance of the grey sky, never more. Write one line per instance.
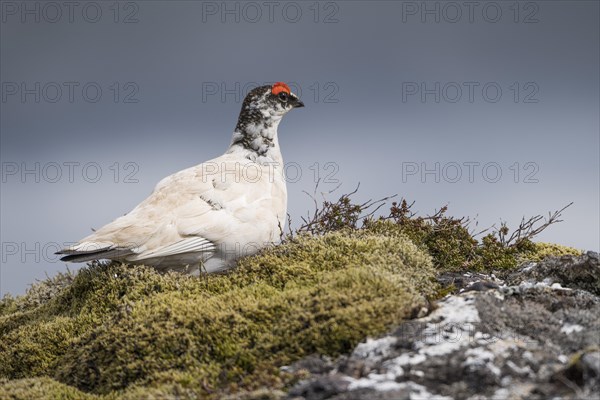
(491, 109)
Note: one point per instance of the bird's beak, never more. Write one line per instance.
(297, 103)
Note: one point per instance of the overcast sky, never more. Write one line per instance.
(491, 108)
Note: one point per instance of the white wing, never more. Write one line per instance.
(189, 245)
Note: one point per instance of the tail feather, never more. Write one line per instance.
(83, 256)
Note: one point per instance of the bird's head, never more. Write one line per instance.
(268, 103)
(279, 98)
(261, 113)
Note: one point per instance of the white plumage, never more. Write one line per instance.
(207, 216)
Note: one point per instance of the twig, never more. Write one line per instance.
(528, 229)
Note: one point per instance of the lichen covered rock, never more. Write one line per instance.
(526, 340)
(577, 272)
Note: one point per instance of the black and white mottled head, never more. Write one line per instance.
(261, 113)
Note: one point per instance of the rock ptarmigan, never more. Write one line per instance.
(207, 216)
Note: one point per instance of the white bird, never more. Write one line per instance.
(207, 216)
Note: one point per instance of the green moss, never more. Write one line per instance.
(125, 331)
(8, 305)
(542, 250)
(37, 353)
(42, 327)
(120, 332)
(493, 255)
(454, 249)
(40, 389)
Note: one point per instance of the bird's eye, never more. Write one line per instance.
(283, 96)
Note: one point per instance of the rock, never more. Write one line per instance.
(575, 272)
(469, 281)
(583, 368)
(535, 338)
(591, 363)
(481, 286)
(315, 364)
(322, 387)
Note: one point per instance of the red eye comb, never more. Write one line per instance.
(279, 87)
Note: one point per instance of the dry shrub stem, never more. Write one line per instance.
(455, 243)
(527, 228)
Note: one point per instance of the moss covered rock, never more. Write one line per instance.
(117, 331)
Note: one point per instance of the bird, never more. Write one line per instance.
(204, 218)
